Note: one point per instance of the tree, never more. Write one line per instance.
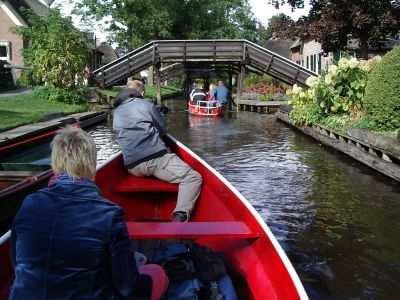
(58, 50)
(333, 22)
(281, 26)
(135, 22)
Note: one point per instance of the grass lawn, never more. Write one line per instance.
(27, 108)
(165, 91)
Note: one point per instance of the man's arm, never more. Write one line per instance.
(127, 281)
(158, 120)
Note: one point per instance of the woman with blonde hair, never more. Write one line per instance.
(67, 242)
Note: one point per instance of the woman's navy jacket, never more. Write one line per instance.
(70, 243)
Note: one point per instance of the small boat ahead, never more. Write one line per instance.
(205, 108)
(223, 220)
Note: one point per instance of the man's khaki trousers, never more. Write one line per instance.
(171, 168)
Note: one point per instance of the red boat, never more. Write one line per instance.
(223, 220)
(205, 108)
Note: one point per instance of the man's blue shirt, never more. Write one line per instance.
(221, 94)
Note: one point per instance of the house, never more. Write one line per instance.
(109, 54)
(12, 16)
(309, 54)
(279, 46)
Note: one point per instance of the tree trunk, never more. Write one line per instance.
(364, 47)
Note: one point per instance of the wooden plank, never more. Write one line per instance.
(190, 230)
(16, 174)
(389, 169)
(124, 60)
(235, 48)
(127, 70)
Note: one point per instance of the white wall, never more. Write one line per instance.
(314, 55)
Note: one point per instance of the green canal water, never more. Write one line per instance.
(338, 221)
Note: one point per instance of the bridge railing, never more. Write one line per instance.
(236, 52)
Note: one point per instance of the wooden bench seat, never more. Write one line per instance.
(190, 230)
(131, 184)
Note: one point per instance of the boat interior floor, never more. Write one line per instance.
(150, 247)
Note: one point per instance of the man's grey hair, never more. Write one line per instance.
(137, 85)
(74, 152)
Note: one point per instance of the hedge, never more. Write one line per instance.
(382, 97)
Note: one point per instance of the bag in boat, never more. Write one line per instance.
(195, 273)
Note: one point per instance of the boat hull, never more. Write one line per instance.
(205, 110)
(256, 256)
(222, 220)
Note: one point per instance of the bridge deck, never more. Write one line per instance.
(232, 54)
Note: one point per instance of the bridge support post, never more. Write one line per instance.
(240, 84)
(230, 89)
(158, 85)
(150, 76)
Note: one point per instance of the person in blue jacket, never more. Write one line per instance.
(140, 130)
(68, 242)
(221, 93)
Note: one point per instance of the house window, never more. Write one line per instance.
(312, 63)
(315, 62)
(319, 63)
(308, 62)
(4, 50)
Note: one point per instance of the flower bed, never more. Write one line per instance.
(337, 99)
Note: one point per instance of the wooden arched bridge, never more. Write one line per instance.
(172, 58)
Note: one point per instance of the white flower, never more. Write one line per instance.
(333, 70)
(328, 79)
(302, 95)
(364, 65)
(353, 63)
(343, 63)
(296, 90)
(312, 81)
(311, 93)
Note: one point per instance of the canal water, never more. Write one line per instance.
(338, 221)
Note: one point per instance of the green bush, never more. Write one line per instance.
(254, 79)
(382, 97)
(309, 114)
(26, 79)
(335, 97)
(57, 53)
(338, 122)
(53, 94)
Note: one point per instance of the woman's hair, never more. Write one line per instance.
(74, 152)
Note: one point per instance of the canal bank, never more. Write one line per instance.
(379, 153)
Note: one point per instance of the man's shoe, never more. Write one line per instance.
(179, 216)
